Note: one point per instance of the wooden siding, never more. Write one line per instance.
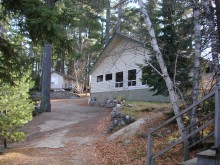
(56, 81)
(125, 56)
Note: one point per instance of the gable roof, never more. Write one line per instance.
(112, 43)
(64, 75)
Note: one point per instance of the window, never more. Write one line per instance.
(119, 79)
(100, 78)
(108, 77)
(132, 77)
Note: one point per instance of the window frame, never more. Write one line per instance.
(119, 79)
(99, 78)
(132, 77)
(106, 77)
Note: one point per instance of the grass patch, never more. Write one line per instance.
(137, 109)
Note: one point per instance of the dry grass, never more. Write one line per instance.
(139, 108)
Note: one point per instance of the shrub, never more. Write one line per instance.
(15, 109)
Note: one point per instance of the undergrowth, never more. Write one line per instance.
(133, 152)
(138, 109)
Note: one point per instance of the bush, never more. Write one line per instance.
(15, 109)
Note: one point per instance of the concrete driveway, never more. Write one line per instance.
(67, 135)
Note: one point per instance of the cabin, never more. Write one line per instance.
(117, 72)
(60, 81)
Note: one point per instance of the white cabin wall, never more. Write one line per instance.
(123, 58)
(56, 81)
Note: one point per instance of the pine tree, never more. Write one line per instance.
(15, 108)
(176, 46)
(163, 68)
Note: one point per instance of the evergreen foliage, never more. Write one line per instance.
(15, 108)
(35, 18)
(174, 31)
(13, 57)
(8, 60)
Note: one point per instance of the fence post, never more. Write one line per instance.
(186, 150)
(149, 148)
(217, 118)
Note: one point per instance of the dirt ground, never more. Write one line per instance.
(65, 136)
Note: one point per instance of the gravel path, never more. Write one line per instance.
(65, 136)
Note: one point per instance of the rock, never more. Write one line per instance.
(119, 122)
(127, 142)
(158, 134)
(111, 127)
(123, 122)
(169, 131)
(115, 101)
(107, 101)
(118, 118)
(114, 109)
(128, 119)
(116, 122)
(121, 115)
(118, 106)
(112, 114)
(127, 131)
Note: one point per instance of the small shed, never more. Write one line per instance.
(61, 81)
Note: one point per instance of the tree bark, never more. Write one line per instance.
(217, 3)
(213, 38)
(45, 105)
(196, 75)
(169, 83)
(62, 69)
(87, 72)
(76, 74)
(107, 28)
(80, 41)
(197, 57)
(118, 28)
(5, 143)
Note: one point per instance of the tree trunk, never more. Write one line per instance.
(5, 143)
(118, 28)
(80, 41)
(87, 72)
(217, 3)
(62, 69)
(107, 28)
(213, 38)
(45, 105)
(196, 75)
(76, 74)
(169, 83)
